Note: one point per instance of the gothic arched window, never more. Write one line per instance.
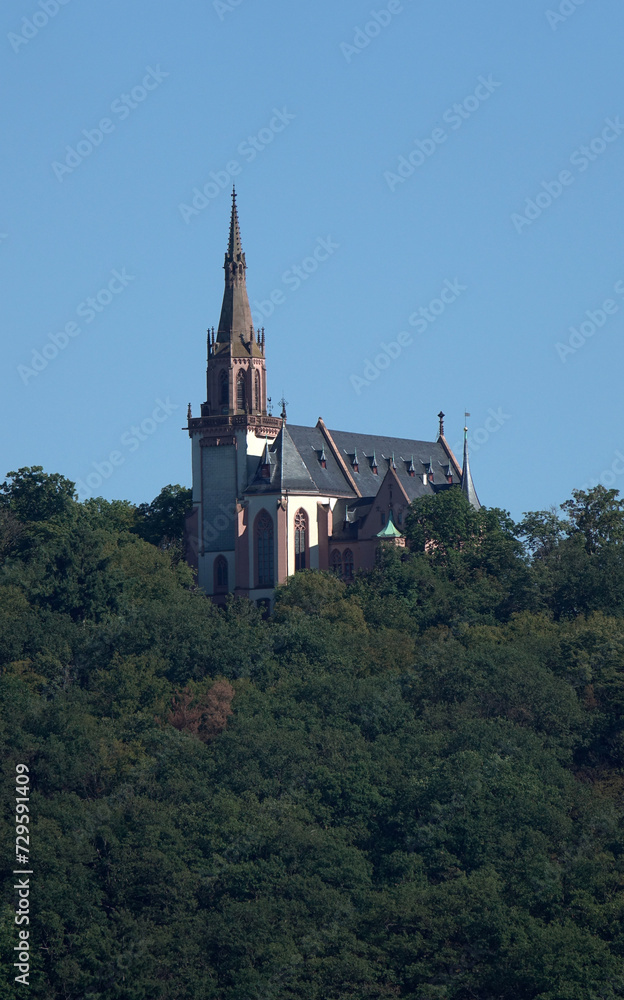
(220, 574)
(347, 562)
(258, 398)
(241, 394)
(264, 549)
(223, 388)
(301, 539)
(336, 563)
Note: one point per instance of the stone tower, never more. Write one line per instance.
(229, 435)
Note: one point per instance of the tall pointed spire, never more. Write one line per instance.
(467, 485)
(235, 322)
(235, 247)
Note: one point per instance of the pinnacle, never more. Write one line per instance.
(235, 248)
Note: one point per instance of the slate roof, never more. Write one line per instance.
(310, 444)
(287, 471)
(347, 516)
(303, 462)
(331, 481)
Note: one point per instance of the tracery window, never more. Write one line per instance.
(336, 563)
(223, 388)
(241, 394)
(301, 539)
(347, 565)
(257, 391)
(220, 573)
(264, 549)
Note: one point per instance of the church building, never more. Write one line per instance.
(271, 498)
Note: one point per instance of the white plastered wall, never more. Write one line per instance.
(310, 506)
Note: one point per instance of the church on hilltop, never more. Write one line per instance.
(271, 498)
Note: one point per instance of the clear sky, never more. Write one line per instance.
(456, 168)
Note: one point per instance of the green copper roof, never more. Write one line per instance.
(390, 530)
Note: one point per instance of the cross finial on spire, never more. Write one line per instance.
(283, 404)
(441, 428)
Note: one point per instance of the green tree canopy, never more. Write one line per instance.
(405, 787)
(34, 495)
(161, 522)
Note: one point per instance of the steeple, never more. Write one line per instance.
(236, 373)
(467, 484)
(235, 248)
(235, 322)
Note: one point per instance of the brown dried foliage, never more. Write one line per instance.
(205, 714)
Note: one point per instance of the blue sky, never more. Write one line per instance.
(474, 149)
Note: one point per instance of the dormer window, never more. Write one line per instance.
(265, 463)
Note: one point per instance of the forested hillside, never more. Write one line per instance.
(409, 787)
